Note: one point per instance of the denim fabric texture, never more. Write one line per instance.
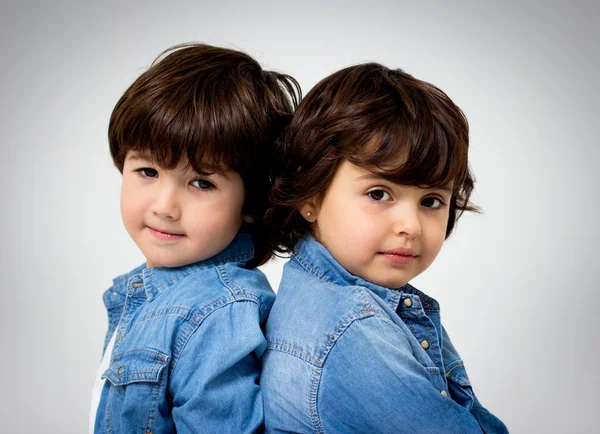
(188, 347)
(347, 356)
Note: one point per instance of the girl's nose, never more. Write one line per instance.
(407, 223)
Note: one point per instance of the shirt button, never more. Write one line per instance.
(407, 302)
(425, 344)
(443, 392)
(120, 370)
(137, 284)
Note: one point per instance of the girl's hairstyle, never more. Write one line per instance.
(217, 109)
(403, 129)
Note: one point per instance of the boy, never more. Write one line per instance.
(183, 348)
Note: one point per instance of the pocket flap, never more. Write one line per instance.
(459, 385)
(136, 366)
(457, 373)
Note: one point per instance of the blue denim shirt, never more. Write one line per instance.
(347, 356)
(187, 348)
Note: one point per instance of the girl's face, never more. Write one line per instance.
(383, 232)
(177, 217)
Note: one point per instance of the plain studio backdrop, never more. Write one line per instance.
(517, 284)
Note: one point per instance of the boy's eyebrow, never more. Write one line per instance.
(136, 156)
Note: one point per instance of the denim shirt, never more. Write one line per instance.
(347, 356)
(187, 348)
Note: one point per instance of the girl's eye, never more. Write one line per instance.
(379, 195)
(147, 172)
(432, 202)
(203, 184)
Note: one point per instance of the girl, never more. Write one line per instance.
(374, 175)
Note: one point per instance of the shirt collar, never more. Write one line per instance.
(316, 259)
(154, 281)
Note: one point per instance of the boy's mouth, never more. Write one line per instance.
(163, 235)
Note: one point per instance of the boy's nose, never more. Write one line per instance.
(167, 204)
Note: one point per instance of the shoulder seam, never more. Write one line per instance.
(316, 382)
(194, 323)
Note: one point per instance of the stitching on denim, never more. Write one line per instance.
(134, 374)
(409, 322)
(306, 265)
(431, 343)
(226, 279)
(292, 351)
(147, 423)
(171, 310)
(362, 296)
(333, 338)
(153, 408)
(120, 279)
(132, 354)
(421, 294)
(339, 331)
(107, 418)
(192, 326)
(453, 368)
(396, 296)
(233, 258)
(179, 276)
(460, 381)
(314, 415)
(238, 257)
(239, 291)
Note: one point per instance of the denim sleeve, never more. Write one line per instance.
(488, 422)
(214, 383)
(372, 382)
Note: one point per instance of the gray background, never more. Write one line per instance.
(518, 284)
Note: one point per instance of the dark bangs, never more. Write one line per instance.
(413, 144)
(215, 109)
(195, 104)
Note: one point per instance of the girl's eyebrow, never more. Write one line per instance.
(374, 177)
(368, 177)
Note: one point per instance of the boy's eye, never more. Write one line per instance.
(203, 184)
(147, 172)
(379, 195)
(432, 202)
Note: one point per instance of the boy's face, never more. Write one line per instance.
(383, 232)
(177, 217)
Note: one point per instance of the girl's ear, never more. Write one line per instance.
(310, 209)
(249, 219)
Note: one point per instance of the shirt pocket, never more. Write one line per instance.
(136, 387)
(459, 384)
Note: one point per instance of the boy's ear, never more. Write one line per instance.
(310, 209)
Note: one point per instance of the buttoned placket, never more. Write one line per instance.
(136, 296)
(424, 328)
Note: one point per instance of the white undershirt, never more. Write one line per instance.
(99, 383)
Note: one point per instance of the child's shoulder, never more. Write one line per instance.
(197, 287)
(218, 284)
(311, 313)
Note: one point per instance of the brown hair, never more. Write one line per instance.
(216, 107)
(405, 130)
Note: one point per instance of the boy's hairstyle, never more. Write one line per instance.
(403, 129)
(217, 109)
